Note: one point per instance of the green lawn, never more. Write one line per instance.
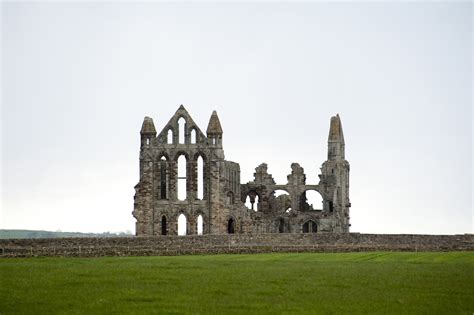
(348, 283)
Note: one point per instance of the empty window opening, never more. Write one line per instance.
(230, 226)
(200, 178)
(163, 225)
(288, 210)
(280, 201)
(182, 177)
(311, 200)
(193, 136)
(147, 141)
(182, 224)
(163, 178)
(252, 201)
(181, 129)
(213, 141)
(248, 204)
(170, 136)
(310, 227)
(331, 206)
(199, 225)
(255, 204)
(281, 226)
(280, 192)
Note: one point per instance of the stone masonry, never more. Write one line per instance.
(233, 244)
(219, 206)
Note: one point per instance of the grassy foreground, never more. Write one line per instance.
(268, 283)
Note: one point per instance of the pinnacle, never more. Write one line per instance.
(335, 129)
(214, 126)
(148, 127)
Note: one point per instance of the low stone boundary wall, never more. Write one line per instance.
(235, 243)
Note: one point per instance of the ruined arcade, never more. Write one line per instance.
(185, 177)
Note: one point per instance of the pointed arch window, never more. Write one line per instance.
(193, 136)
(182, 224)
(181, 178)
(163, 178)
(200, 224)
(200, 178)
(181, 129)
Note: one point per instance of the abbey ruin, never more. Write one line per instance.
(187, 187)
(185, 178)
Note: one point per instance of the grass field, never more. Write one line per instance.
(224, 284)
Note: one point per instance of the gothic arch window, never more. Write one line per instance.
(200, 178)
(193, 136)
(169, 135)
(181, 185)
(252, 200)
(182, 224)
(181, 129)
(163, 178)
(200, 225)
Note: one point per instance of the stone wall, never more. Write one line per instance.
(235, 243)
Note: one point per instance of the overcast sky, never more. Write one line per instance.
(77, 80)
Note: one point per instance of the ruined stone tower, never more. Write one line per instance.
(187, 186)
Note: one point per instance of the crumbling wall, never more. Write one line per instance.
(157, 206)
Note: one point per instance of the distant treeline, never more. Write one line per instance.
(49, 234)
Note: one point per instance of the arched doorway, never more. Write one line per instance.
(310, 227)
(231, 226)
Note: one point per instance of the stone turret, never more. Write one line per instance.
(214, 129)
(214, 126)
(148, 128)
(214, 135)
(148, 132)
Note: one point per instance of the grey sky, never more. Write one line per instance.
(77, 80)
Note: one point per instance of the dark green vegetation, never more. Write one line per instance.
(4, 234)
(309, 283)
